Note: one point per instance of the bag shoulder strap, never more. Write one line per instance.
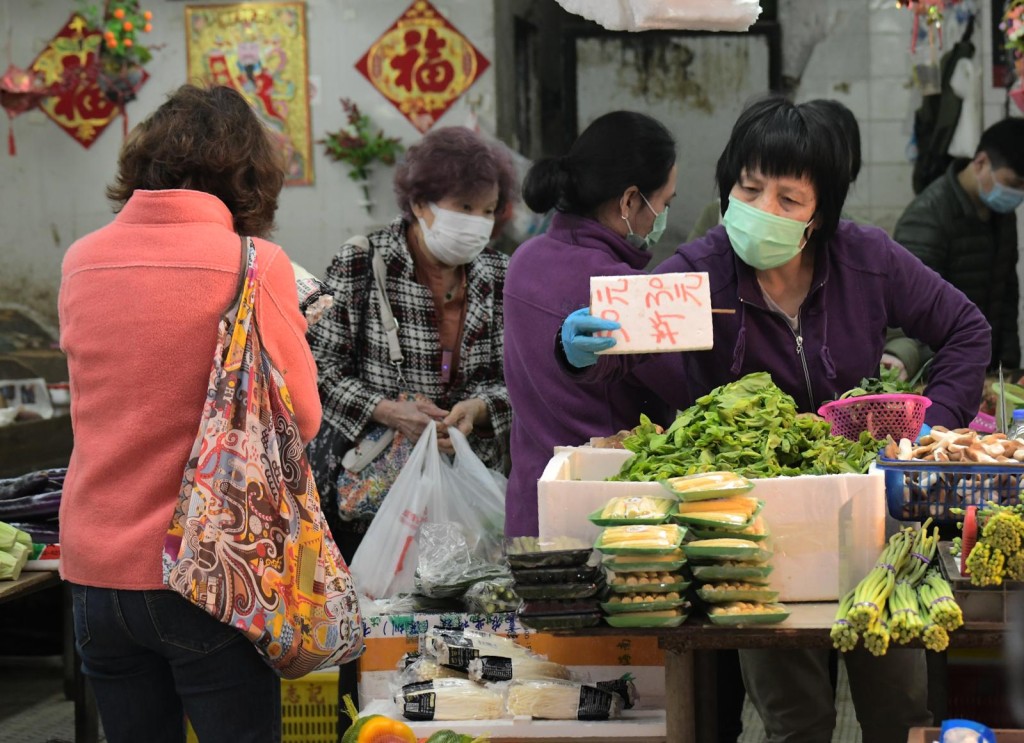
(232, 309)
(387, 316)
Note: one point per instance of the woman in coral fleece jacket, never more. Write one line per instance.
(140, 302)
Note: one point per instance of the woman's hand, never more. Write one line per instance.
(464, 416)
(409, 417)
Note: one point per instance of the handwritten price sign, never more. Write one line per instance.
(658, 313)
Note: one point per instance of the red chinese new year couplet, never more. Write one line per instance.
(422, 64)
(658, 313)
(68, 64)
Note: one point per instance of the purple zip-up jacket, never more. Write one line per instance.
(863, 283)
(549, 277)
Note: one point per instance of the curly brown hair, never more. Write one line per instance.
(205, 139)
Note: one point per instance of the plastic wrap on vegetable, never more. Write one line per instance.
(456, 648)
(551, 699)
(624, 686)
(497, 668)
(446, 566)
(450, 699)
(491, 596)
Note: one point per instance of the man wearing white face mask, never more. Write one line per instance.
(964, 227)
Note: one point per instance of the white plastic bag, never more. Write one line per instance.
(431, 488)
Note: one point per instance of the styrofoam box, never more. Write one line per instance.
(826, 530)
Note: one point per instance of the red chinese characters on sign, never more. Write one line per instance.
(68, 66)
(422, 64)
(666, 312)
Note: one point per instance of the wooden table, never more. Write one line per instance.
(86, 716)
(807, 627)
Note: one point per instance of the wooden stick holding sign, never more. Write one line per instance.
(658, 313)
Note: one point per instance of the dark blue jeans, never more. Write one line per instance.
(153, 658)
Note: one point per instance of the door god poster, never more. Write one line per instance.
(260, 49)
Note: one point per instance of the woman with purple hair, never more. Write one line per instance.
(445, 287)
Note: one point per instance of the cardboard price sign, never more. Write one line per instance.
(658, 313)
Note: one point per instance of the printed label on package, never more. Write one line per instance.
(419, 701)
(495, 668)
(594, 704)
(459, 658)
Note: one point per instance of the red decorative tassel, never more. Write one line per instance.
(124, 122)
(11, 149)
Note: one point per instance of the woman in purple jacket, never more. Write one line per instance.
(813, 296)
(611, 192)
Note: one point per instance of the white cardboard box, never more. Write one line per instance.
(827, 530)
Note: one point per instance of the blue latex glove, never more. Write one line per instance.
(925, 430)
(580, 345)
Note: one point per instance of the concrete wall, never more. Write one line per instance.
(52, 192)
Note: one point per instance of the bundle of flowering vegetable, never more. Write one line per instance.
(998, 554)
(902, 598)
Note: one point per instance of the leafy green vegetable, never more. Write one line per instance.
(750, 427)
(887, 382)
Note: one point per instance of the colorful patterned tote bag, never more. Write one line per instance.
(248, 542)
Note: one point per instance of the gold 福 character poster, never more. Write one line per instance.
(260, 50)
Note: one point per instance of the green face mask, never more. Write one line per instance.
(657, 229)
(762, 240)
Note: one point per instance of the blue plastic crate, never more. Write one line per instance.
(915, 491)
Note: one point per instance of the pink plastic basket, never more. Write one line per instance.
(900, 416)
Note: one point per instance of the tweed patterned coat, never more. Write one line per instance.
(351, 349)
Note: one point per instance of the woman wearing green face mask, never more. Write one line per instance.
(812, 297)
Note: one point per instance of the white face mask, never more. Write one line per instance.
(456, 238)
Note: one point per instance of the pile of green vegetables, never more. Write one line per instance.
(750, 427)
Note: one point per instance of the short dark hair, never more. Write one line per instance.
(454, 161)
(205, 139)
(618, 150)
(846, 120)
(1003, 142)
(779, 138)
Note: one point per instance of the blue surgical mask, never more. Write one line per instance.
(657, 228)
(762, 240)
(1002, 199)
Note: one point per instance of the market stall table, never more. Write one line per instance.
(86, 716)
(807, 627)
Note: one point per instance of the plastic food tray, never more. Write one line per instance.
(668, 548)
(546, 622)
(735, 487)
(620, 608)
(628, 621)
(587, 573)
(614, 564)
(725, 596)
(753, 553)
(545, 558)
(748, 573)
(679, 586)
(694, 519)
(540, 607)
(917, 490)
(703, 533)
(599, 520)
(780, 614)
(534, 591)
